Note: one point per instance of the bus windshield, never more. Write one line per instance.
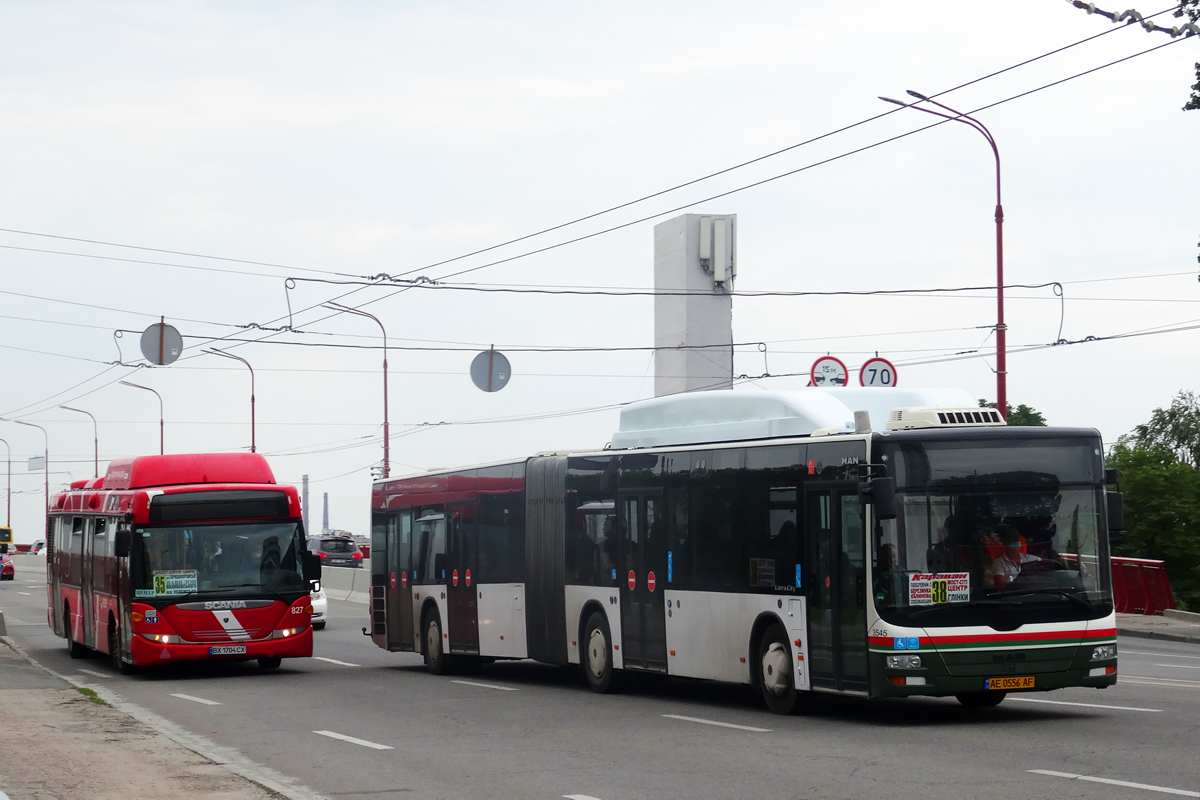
(990, 531)
(230, 560)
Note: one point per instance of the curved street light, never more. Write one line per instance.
(217, 352)
(386, 439)
(160, 411)
(95, 437)
(1001, 328)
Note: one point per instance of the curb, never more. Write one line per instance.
(1164, 636)
(230, 758)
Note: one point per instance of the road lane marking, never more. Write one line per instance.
(97, 674)
(1113, 782)
(580, 797)
(488, 686)
(1160, 655)
(719, 724)
(335, 661)
(27, 594)
(200, 700)
(1085, 705)
(1180, 666)
(1146, 680)
(352, 740)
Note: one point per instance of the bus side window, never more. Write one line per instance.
(101, 541)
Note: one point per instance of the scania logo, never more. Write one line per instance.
(214, 605)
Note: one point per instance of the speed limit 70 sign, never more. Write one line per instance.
(877, 372)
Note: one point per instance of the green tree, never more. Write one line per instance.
(1176, 429)
(1162, 513)
(1191, 10)
(1021, 415)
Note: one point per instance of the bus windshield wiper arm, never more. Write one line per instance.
(1066, 593)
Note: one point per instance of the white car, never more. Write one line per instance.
(320, 605)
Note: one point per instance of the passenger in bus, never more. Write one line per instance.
(1007, 567)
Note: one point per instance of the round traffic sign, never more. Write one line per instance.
(454, 578)
(403, 579)
(632, 581)
(877, 372)
(490, 371)
(468, 577)
(393, 580)
(161, 344)
(650, 581)
(828, 371)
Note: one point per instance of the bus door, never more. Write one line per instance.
(837, 611)
(461, 599)
(399, 588)
(54, 543)
(87, 600)
(642, 578)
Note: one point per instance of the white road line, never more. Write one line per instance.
(488, 686)
(1160, 655)
(200, 700)
(97, 674)
(1128, 784)
(352, 740)
(1085, 705)
(1148, 681)
(27, 594)
(1180, 666)
(335, 661)
(719, 724)
(580, 797)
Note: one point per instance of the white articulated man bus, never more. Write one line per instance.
(770, 538)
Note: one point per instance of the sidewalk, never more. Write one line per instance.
(59, 742)
(1168, 628)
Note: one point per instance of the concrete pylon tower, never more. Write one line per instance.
(697, 254)
(325, 515)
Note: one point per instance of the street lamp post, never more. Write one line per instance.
(160, 412)
(46, 465)
(386, 438)
(8, 514)
(1001, 328)
(95, 437)
(217, 352)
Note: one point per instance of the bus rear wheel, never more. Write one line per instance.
(775, 671)
(597, 655)
(981, 699)
(74, 648)
(436, 660)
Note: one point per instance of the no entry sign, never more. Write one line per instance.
(393, 580)
(650, 581)
(403, 579)
(468, 577)
(632, 581)
(454, 577)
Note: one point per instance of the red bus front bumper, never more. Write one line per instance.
(146, 652)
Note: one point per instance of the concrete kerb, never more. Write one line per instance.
(230, 758)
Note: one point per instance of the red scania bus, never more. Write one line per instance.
(181, 558)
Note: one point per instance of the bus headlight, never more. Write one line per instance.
(904, 662)
(162, 638)
(1104, 651)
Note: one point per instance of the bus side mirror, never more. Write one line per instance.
(881, 494)
(1116, 517)
(312, 565)
(123, 542)
(3, 549)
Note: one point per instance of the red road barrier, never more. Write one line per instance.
(1140, 586)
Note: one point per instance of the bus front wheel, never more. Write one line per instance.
(114, 649)
(775, 671)
(598, 655)
(435, 655)
(980, 699)
(271, 662)
(74, 648)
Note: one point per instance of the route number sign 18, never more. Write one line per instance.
(877, 372)
(828, 371)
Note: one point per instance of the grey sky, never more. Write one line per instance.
(382, 137)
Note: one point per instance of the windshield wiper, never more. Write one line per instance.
(1087, 605)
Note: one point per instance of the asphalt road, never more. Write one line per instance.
(522, 730)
